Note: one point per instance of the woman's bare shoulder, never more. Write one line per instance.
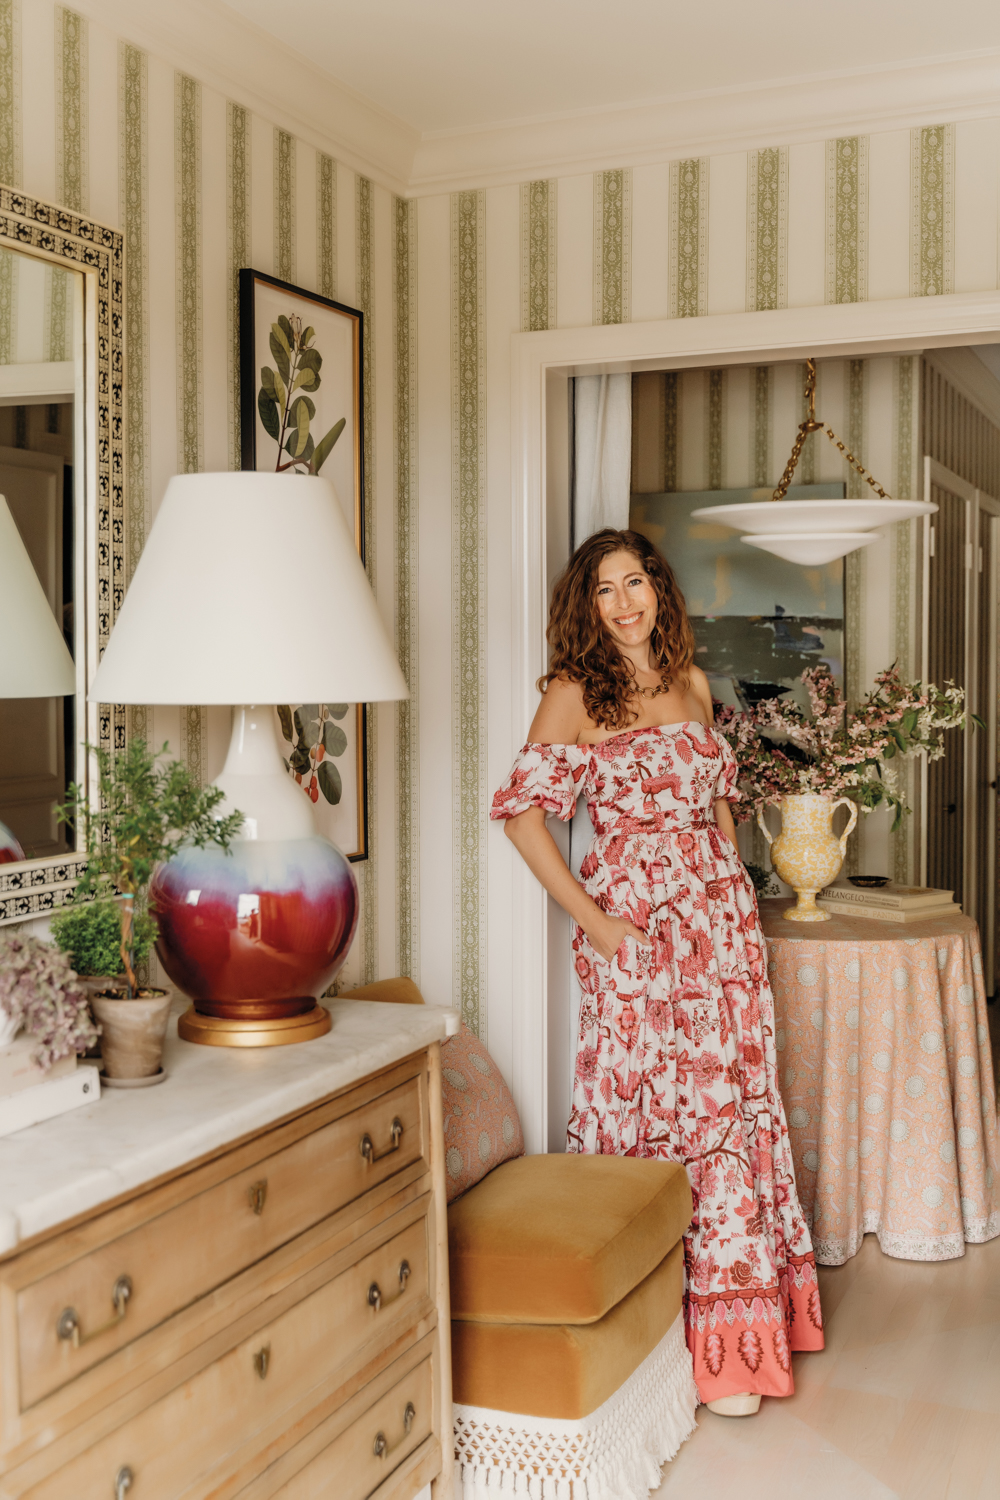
(700, 689)
(560, 716)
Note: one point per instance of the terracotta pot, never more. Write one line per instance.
(807, 854)
(132, 1033)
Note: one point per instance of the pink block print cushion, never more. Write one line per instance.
(481, 1124)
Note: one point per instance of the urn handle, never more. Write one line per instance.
(846, 802)
(763, 826)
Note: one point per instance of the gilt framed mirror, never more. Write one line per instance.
(62, 474)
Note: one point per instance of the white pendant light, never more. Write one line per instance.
(811, 549)
(813, 532)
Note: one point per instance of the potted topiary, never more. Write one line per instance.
(89, 932)
(147, 808)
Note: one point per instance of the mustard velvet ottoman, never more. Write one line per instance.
(572, 1378)
(571, 1375)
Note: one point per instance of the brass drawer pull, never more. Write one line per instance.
(368, 1150)
(123, 1482)
(257, 1193)
(380, 1447)
(262, 1360)
(375, 1291)
(68, 1326)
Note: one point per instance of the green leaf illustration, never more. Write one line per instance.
(268, 408)
(307, 337)
(298, 419)
(285, 720)
(311, 359)
(305, 725)
(267, 379)
(299, 760)
(330, 783)
(307, 379)
(280, 351)
(285, 325)
(337, 710)
(324, 447)
(334, 739)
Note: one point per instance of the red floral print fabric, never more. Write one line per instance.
(675, 1054)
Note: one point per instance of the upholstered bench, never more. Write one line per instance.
(571, 1375)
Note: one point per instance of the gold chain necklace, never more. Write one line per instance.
(652, 692)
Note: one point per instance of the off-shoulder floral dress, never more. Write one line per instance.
(676, 1057)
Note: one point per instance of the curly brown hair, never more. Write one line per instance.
(583, 651)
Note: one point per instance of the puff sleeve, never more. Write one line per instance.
(546, 776)
(729, 772)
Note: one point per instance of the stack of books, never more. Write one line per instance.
(888, 903)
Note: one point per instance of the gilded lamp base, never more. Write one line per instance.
(216, 1031)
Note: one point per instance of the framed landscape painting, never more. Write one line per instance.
(301, 412)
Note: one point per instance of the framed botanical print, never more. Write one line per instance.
(301, 412)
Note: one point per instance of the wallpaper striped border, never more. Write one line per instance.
(767, 229)
(404, 278)
(847, 219)
(715, 426)
(468, 477)
(689, 237)
(10, 92)
(8, 307)
(190, 342)
(326, 225)
(284, 205)
(187, 173)
(762, 432)
(72, 101)
(807, 462)
(238, 204)
(613, 246)
(133, 195)
(363, 211)
(932, 221)
(539, 243)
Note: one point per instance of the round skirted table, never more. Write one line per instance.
(887, 1078)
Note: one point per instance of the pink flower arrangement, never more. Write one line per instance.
(781, 751)
(39, 991)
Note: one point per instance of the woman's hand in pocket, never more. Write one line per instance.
(607, 934)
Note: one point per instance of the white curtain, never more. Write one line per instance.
(603, 457)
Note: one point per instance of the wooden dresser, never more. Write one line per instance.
(235, 1284)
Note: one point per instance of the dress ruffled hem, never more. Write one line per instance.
(745, 1341)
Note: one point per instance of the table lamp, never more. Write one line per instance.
(34, 658)
(250, 591)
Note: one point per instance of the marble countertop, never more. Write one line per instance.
(211, 1096)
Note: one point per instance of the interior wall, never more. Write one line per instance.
(201, 185)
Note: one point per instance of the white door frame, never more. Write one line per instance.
(856, 329)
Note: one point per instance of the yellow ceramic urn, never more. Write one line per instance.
(807, 854)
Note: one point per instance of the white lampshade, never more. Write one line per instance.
(34, 658)
(249, 590)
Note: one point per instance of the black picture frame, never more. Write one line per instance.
(256, 287)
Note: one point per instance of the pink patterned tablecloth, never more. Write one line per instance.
(886, 1073)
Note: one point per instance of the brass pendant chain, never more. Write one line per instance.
(653, 692)
(811, 425)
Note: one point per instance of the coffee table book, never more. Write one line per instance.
(888, 913)
(892, 897)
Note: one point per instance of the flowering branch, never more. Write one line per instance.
(783, 752)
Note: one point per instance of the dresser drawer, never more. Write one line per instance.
(364, 1456)
(225, 1407)
(172, 1260)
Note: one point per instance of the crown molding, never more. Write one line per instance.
(771, 114)
(214, 44)
(230, 54)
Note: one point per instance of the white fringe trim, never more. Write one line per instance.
(615, 1453)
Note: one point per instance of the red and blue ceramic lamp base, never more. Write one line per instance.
(255, 936)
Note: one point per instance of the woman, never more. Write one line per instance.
(675, 1057)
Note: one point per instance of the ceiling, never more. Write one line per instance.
(455, 65)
